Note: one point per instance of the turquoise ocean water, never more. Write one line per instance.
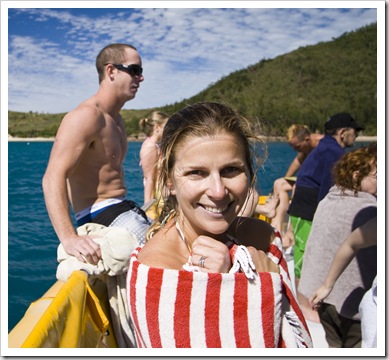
(32, 243)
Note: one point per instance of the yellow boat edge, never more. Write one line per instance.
(68, 315)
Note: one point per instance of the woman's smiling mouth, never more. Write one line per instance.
(215, 210)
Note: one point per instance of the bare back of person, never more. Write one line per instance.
(306, 150)
(315, 138)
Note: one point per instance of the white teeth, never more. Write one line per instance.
(215, 210)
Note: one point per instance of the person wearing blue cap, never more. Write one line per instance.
(313, 183)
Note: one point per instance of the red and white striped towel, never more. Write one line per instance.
(181, 309)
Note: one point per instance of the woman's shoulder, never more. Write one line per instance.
(159, 252)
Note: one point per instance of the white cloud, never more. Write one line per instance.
(183, 49)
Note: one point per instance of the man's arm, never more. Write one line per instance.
(73, 139)
(295, 164)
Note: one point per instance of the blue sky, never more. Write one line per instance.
(52, 46)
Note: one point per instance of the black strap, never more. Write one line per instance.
(108, 215)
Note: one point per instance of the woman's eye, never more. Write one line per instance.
(195, 173)
(231, 171)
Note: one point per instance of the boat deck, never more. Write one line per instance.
(316, 329)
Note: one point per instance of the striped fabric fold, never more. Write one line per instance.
(182, 309)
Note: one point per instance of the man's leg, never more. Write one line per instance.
(301, 230)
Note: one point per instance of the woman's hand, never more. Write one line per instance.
(211, 255)
(319, 295)
(214, 257)
(261, 261)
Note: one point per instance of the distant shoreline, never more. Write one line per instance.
(132, 139)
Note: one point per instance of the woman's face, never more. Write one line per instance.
(369, 183)
(210, 182)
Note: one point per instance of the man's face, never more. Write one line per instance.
(300, 145)
(129, 83)
(349, 136)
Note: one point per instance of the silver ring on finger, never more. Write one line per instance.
(202, 261)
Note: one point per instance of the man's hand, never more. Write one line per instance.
(83, 248)
(288, 239)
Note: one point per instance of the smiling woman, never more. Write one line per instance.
(200, 186)
(210, 188)
(194, 276)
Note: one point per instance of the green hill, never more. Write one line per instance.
(304, 86)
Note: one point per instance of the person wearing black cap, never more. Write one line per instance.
(313, 183)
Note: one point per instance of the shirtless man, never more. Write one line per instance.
(85, 168)
(300, 139)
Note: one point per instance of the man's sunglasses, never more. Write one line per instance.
(134, 70)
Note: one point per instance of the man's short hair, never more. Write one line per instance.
(298, 130)
(111, 54)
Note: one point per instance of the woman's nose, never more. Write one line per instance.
(217, 189)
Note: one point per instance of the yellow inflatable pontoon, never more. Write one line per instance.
(68, 315)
